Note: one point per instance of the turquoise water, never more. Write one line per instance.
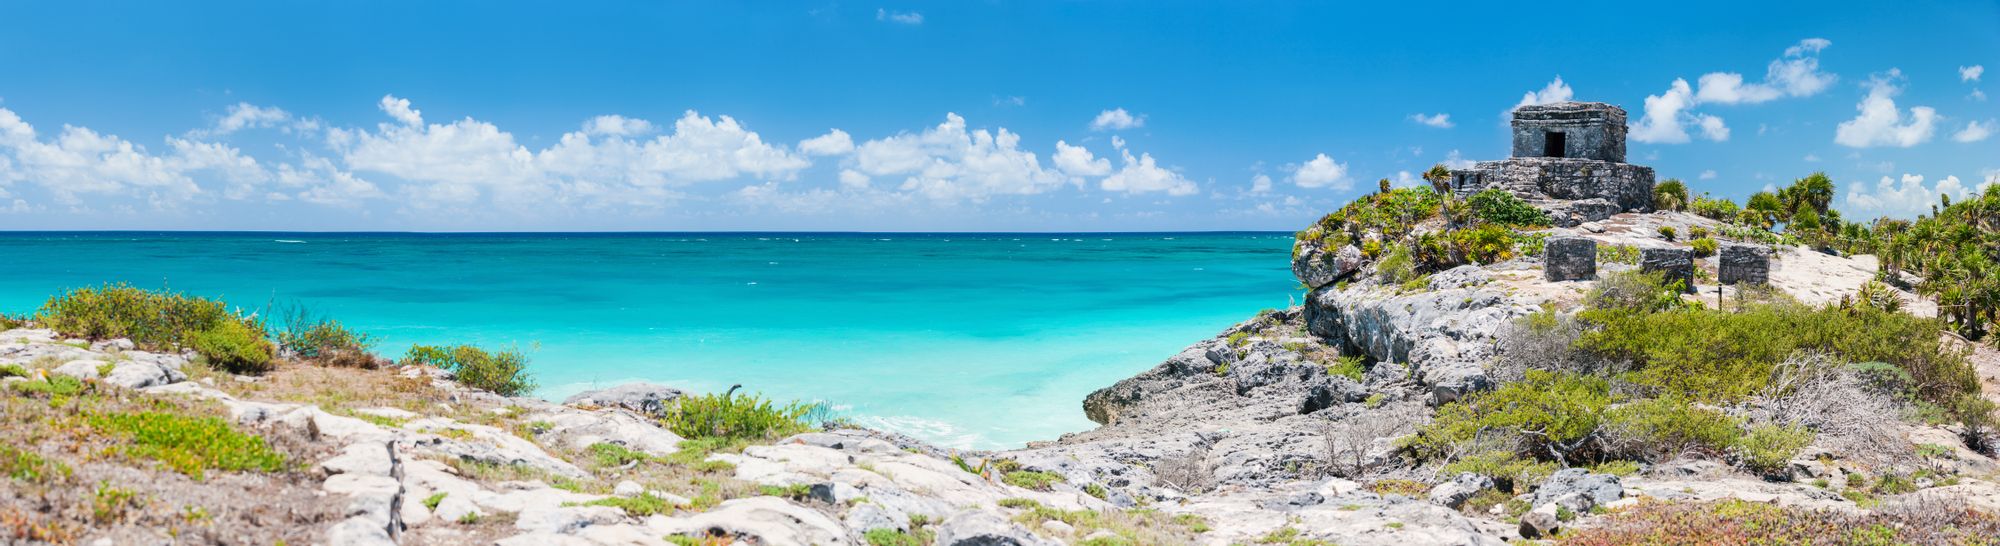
(967, 340)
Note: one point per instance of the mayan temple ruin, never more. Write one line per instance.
(1569, 158)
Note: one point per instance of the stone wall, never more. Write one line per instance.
(1628, 186)
(1569, 259)
(1740, 263)
(1591, 130)
(1675, 264)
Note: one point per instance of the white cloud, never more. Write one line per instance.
(949, 163)
(1078, 161)
(1663, 121)
(1971, 73)
(1322, 172)
(1404, 179)
(79, 161)
(1116, 120)
(1668, 115)
(1142, 175)
(1976, 95)
(904, 17)
(1811, 158)
(1260, 183)
(1880, 123)
(317, 180)
(1797, 74)
(834, 142)
(615, 125)
(1974, 131)
(1555, 91)
(1439, 120)
(244, 115)
(850, 178)
(1905, 197)
(401, 110)
(1707, 175)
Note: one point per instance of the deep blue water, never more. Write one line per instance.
(971, 340)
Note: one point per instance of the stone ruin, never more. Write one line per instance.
(1569, 159)
(1569, 259)
(1741, 263)
(1674, 264)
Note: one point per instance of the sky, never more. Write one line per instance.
(941, 116)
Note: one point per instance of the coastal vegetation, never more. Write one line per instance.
(162, 320)
(502, 372)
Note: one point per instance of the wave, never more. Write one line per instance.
(288, 241)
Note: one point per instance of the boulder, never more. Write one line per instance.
(1317, 267)
(1579, 490)
(1453, 493)
(1569, 259)
(977, 528)
(1336, 390)
(1674, 264)
(1540, 522)
(139, 375)
(764, 520)
(641, 397)
(1741, 263)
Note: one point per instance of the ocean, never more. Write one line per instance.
(966, 340)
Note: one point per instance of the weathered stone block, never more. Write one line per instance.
(1583, 130)
(1674, 264)
(1628, 186)
(1569, 259)
(1740, 263)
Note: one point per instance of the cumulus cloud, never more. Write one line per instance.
(244, 115)
(1452, 160)
(1260, 183)
(1117, 119)
(1440, 120)
(1906, 196)
(1142, 175)
(1555, 91)
(79, 161)
(902, 17)
(1707, 175)
(1974, 131)
(614, 125)
(401, 110)
(948, 162)
(835, 142)
(1881, 123)
(1669, 115)
(1078, 161)
(1322, 172)
(1971, 73)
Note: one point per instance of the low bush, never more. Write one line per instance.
(641, 505)
(31, 467)
(189, 445)
(1667, 232)
(1662, 428)
(1565, 411)
(234, 347)
(1670, 194)
(307, 335)
(1746, 522)
(161, 320)
(1714, 209)
(736, 416)
(504, 372)
(1502, 207)
(1350, 367)
(1030, 479)
(1702, 247)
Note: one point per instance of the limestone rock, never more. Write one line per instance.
(1579, 490)
(565, 519)
(1317, 267)
(1540, 522)
(1453, 493)
(641, 397)
(763, 520)
(80, 369)
(977, 528)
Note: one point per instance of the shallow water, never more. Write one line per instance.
(967, 340)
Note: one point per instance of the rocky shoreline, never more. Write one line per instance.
(1282, 429)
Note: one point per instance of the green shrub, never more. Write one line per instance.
(736, 416)
(189, 445)
(1485, 244)
(642, 505)
(1698, 232)
(504, 372)
(1714, 209)
(1502, 207)
(234, 347)
(1030, 479)
(12, 370)
(1703, 247)
(1670, 194)
(1349, 367)
(1665, 427)
(1768, 448)
(1618, 254)
(1564, 410)
(1396, 265)
(54, 385)
(885, 536)
(310, 336)
(160, 320)
(1667, 232)
(31, 467)
(607, 454)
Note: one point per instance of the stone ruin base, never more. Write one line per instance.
(1674, 264)
(1569, 259)
(1741, 263)
(1626, 186)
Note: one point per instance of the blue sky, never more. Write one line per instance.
(933, 116)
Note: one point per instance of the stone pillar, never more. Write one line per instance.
(1740, 263)
(1569, 259)
(1674, 264)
